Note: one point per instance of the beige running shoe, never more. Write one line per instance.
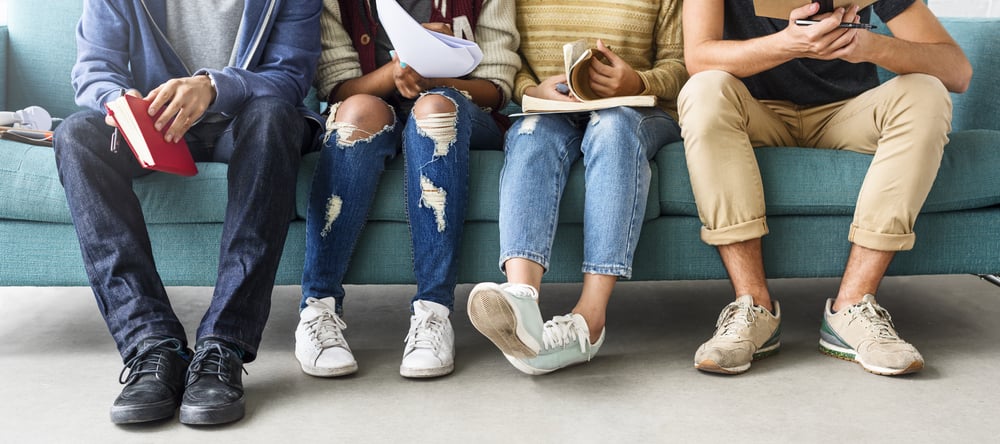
(744, 332)
(864, 333)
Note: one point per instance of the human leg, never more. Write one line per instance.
(904, 123)
(617, 145)
(362, 136)
(714, 110)
(119, 262)
(117, 253)
(437, 139)
(540, 150)
(266, 143)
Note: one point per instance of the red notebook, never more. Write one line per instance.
(148, 144)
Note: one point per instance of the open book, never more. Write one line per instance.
(781, 9)
(147, 144)
(577, 57)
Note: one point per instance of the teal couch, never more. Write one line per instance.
(810, 193)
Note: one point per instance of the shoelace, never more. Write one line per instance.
(211, 360)
(426, 332)
(149, 360)
(877, 320)
(327, 329)
(734, 317)
(562, 331)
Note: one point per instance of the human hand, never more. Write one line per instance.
(409, 83)
(110, 121)
(825, 40)
(443, 28)
(613, 76)
(549, 89)
(183, 101)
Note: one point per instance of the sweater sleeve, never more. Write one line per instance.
(668, 73)
(338, 60)
(497, 37)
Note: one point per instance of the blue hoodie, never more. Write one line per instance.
(122, 44)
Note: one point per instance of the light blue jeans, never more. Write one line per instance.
(616, 145)
(437, 182)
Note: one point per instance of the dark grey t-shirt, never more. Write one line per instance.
(805, 81)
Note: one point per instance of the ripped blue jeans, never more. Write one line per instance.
(436, 188)
(616, 145)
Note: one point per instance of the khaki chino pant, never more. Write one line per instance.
(903, 122)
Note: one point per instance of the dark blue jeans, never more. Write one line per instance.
(437, 182)
(262, 146)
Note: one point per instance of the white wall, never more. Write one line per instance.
(3, 12)
(965, 8)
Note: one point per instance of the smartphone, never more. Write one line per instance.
(842, 25)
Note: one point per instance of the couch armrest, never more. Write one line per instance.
(3, 67)
(980, 104)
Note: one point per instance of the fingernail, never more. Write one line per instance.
(402, 64)
(392, 54)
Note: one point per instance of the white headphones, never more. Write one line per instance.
(32, 117)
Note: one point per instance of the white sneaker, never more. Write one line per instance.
(508, 315)
(320, 346)
(430, 343)
(565, 342)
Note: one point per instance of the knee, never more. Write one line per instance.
(358, 117)
(923, 91)
(433, 104)
(270, 110)
(436, 117)
(706, 90)
(83, 129)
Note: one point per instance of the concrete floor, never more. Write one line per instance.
(59, 368)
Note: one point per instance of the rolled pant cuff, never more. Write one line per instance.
(523, 254)
(735, 233)
(881, 241)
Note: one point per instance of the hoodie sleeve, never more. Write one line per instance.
(283, 59)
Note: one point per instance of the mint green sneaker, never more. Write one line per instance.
(565, 342)
(864, 333)
(745, 332)
(508, 315)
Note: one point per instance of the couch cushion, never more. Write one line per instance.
(484, 187)
(797, 180)
(41, 53)
(978, 106)
(30, 190)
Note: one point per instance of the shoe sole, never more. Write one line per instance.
(496, 319)
(418, 373)
(851, 356)
(322, 372)
(711, 366)
(202, 415)
(143, 413)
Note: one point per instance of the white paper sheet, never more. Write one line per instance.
(431, 54)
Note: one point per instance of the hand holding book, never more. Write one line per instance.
(151, 149)
(591, 83)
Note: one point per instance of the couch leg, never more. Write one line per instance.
(991, 278)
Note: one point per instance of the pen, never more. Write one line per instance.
(842, 25)
(114, 135)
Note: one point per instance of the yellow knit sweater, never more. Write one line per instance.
(645, 33)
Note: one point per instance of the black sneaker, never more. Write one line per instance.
(155, 383)
(214, 392)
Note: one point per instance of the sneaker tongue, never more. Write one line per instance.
(316, 306)
(422, 307)
(745, 300)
